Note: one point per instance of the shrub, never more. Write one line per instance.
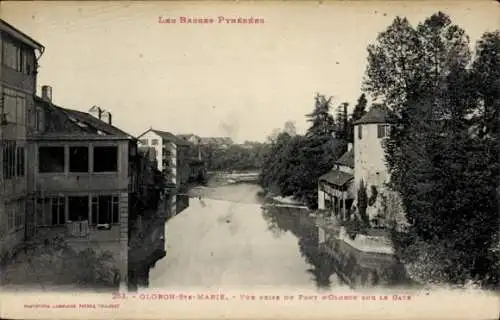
(373, 196)
(363, 203)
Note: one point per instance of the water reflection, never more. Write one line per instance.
(331, 262)
(334, 257)
(153, 246)
(282, 219)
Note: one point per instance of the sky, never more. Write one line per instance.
(233, 80)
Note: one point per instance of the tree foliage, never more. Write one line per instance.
(443, 153)
(235, 158)
(358, 112)
(294, 163)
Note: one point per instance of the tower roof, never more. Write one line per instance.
(376, 114)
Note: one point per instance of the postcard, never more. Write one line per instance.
(249, 159)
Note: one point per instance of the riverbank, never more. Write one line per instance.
(330, 226)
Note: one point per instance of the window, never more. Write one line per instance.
(105, 159)
(20, 210)
(9, 108)
(51, 211)
(58, 211)
(12, 57)
(78, 208)
(360, 132)
(78, 159)
(14, 107)
(143, 141)
(51, 159)
(16, 57)
(10, 216)
(105, 209)
(382, 131)
(154, 142)
(39, 119)
(20, 162)
(9, 159)
(21, 110)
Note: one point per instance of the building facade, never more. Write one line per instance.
(18, 78)
(363, 163)
(82, 179)
(336, 190)
(369, 154)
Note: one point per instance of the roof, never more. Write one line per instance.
(347, 159)
(337, 177)
(168, 136)
(19, 35)
(376, 114)
(85, 122)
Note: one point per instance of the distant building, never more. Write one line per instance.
(171, 152)
(194, 139)
(219, 142)
(18, 79)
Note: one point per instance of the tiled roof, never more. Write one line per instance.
(376, 114)
(337, 177)
(186, 136)
(97, 124)
(171, 137)
(347, 159)
(66, 122)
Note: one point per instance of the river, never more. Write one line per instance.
(225, 239)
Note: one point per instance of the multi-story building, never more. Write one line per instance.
(197, 165)
(172, 154)
(364, 163)
(18, 78)
(84, 179)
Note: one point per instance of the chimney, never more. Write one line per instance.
(349, 146)
(110, 118)
(47, 93)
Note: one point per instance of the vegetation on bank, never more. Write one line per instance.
(53, 263)
(295, 162)
(246, 157)
(443, 154)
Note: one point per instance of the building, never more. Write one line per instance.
(218, 142)
(194, 139)
(172, 157)
(336, 192)
(369, 154)
(18, 80)
(171, 152)
(85, 180)
(197, 164)
(363, 163)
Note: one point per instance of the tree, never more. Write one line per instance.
(359, 108)
(294, 163)
(443, 173)
(341, 121)
(358, 112)
(393, 64)
(322, 121)
(290, 128)
(363, 203)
